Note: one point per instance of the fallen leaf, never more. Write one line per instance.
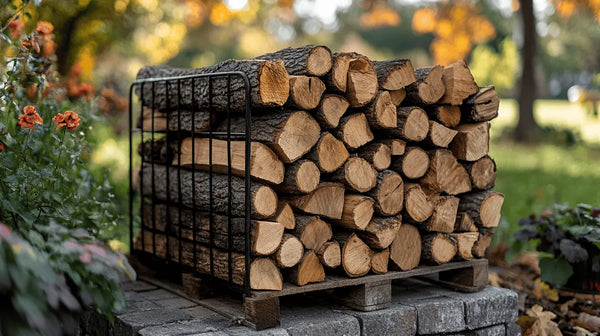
(543, 290)
(543, 325)
(590, 320)
(582, 332)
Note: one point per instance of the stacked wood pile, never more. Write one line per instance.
(357, 166)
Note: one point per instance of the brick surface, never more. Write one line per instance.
(497, 330)
(439, 315)
(317, 320)
(489, 307)
(397, 320)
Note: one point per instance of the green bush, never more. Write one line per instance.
(55, 214)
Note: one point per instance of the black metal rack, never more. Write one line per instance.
(206, 82)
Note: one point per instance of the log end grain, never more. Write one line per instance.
(285, 215)
(431, 87)
(265, 201)
(274, 86)
(330, 153)
(356, 256)
(415, 163)
(438, 248)
(405, 251)
(397, 96)
(416, 203)
(459, 83)
(389, 194)
(385, 111)
(491, 208)
(359, 174)
(361, 82)
(319, 61)
(308, 176)
(265, 275)
(306, 92)
(299, 134)
(331, 109)
(379, 264)
(472, 141)
(267, 237)
(355, 130)
(330, 254)
(413, 122)
(290, 251)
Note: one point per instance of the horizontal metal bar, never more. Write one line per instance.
(173, 78)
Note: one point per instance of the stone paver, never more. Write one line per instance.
(490, 306)
(318, 320)
(497, 330)
(398, 320)
(439, 315)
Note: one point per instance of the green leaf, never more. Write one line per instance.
(555, 271)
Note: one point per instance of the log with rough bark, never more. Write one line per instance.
(377, 154)
(459, 83)
(357, 212)
(201, 119)
(438, 248)
(397, 96)
(356, 255)
(265, 236)
(305, 92)
(337, 79)
(413, 124)
(445, 174)
(312, 231)
(464, 223)
(264, 163)
(301, 177)
(327, 200)
(444, 214)
(417, 206)
(483, 207)
(439, 135)
(482, 173)
(356, 174)
(285, 215)
(428, 88)
(381, 112)
(413, 164)
(394, 74)
(379, 263)
(330, 254)
(397, 146)
(362, 85)
(269, 86)
(354, 130)
(381, 231)
(472, 141)
(307, 60)
(482, 106)
(446, 115)
(194, 188)
(465, 242)
(331, 108)
(483, 242)
(308, 270)
(291, 134)
(388, 193)
(290, 251)
(405, 251)
(329, 153)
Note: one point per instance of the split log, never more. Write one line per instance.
(381, 231)
(176, 220)
(482, 106)
(439, 135)
(357, 212)
(330, 254)
(397, 146)
(327, 200)
(264, 274)
(285, 215)
(405, 251)
(329, 153)
(438, 248)
(379, 263)
(145, 120)
(354, 130)
(356, 255)
(413, 124)
(381, 112)
(484, 207)
(290, 251)
(312, 231)
(291, 134)
(483, 242)
(308, 270)
(357, 174)
(377, 154)
(307, 60)
(413, 164)
(465, 242)
(428, 88)
(394, 74)
(445, 174)
(301, 177)
(305, 92)
(194, 188)
(388, 193)
(331, 108)
(171, 120)
(464, 223)
(416, 204)
(362, 84)
(444, 214)
(264, 164)
(446, 115)
(459, 83)
(482, 173)
(269, 86)
(472, 141)
(337, 79)
(397, 96)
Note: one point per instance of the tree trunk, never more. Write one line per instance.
(527, 87)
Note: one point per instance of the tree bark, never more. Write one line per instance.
(482, 106)
(527, 86)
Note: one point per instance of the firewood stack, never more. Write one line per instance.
(357, 166)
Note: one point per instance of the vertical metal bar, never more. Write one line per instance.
(179, 166)
(168, 205)
(194, 228)
(248, 186)
(210, 179)
(142, 167)
(153, 177)
(229, 194)
(131, 189)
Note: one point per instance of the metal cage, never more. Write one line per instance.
(137, 199)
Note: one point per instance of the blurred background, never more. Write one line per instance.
(542, 56)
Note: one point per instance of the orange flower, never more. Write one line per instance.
(44, 28)
(48, 49)
(1, 146)
(31, 44)
(29, 118)
(15, 27)
(70, 120)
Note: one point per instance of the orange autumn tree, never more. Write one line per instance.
(566, 8)
(457, 27)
